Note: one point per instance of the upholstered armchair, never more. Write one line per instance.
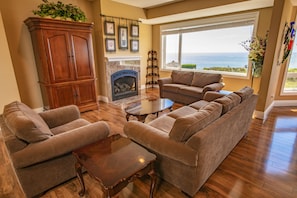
(40, 144)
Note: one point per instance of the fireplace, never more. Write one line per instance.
(122, 77)
(124, 84)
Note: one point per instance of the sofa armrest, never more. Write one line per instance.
(163, 81)
(159, 142)
(60, 116)
(213, 87)
(60, 144)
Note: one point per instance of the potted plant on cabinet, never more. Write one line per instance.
(60, 10)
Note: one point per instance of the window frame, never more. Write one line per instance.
(234, 20)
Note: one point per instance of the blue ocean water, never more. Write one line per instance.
(218, 59)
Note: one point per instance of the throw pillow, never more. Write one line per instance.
(25, 123)
(202, 79)
(182, 77)
(184, 127)
(228, 102)
(245, 93)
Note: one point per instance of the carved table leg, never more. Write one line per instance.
(153, 182)
(80, 178)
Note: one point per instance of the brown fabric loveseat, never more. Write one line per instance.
(192, 141)
(187, 87)
(40, 145)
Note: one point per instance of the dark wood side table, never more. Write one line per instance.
(114, 162)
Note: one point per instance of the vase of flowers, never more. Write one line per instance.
(257, 47)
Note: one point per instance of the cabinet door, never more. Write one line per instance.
(59, 56)
(82, 51)
(63, 95)
(86, 93)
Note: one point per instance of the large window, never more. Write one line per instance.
(290, 82)
(212, 44)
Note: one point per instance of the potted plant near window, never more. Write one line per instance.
(60, 10)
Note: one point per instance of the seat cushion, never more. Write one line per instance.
(185, 127)
(182, 77)
(196, 92)
(172, 87)
(202, 79)
(25, 123)
(163, 123)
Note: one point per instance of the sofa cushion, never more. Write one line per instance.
(202, 79)
(228, 102)
(196, 92)
(172, 87)
(25, 123)
(245, 93)
(163, 123)
(181, 112)
(185, 127)
(182, 77)
(199, 104)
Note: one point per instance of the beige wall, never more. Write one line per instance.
(19, 41)
(8, 86)
(14, 12)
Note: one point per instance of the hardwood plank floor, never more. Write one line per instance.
(263, 164)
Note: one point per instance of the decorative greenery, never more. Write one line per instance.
(60, 10)
(257, 47)
(228, 69)
(188, 66)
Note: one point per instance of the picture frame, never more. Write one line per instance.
(134, 45)
(109, 28)
(134, 30)
(110, 45)
(123, 37)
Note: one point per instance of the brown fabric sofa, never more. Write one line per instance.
(192, 141)
(40, 145)
(187, 87)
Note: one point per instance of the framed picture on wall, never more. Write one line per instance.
(123, 37)
(134, 45)
(109, 28)
(110, 45)
(134, 30)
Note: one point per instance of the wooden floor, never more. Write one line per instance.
(263, 164)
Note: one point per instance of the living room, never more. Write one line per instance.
(19, 81)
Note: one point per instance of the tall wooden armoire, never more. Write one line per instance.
(65, 63)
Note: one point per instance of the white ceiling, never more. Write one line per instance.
(144, 3)
(235, 7)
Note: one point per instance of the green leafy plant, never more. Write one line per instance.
(256, 47)
(60, 10)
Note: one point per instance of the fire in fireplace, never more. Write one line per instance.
(124, 84)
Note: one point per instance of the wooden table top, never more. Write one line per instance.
(145, 107)
(113, 159)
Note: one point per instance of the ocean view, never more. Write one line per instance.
(202, 60)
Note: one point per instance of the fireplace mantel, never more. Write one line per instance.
(121, 58)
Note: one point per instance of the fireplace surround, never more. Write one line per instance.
(122, 77)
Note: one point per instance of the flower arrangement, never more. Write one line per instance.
(60, 10)
(257, 47)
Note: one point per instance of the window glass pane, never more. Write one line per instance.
(171, 43)
(291, 77)
(216, 49)
(209, 44)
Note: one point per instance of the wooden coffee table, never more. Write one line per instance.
(114, 162)
(145, 107)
